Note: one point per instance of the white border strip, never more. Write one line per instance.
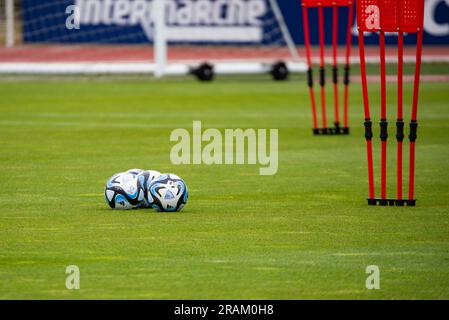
(253, 66)
(137, 68)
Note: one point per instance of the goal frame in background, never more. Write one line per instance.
(160, 64)
(399, 16)
(163, 66)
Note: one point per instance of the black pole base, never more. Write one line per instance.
(392, 202)
(335, 131)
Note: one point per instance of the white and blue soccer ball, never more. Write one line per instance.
(124, 191)
(168, 193)
(145, 179)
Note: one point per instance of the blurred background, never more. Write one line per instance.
(176, 36)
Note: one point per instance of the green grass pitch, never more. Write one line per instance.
(304, 233)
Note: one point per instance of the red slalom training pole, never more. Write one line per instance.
(347, 66)
(322, 70)
(400, 120)
(383, 119)
(334, 63)
(305, 18)
(414, 121)
(368, 123)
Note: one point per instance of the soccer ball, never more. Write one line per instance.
(168, 193)
(145, 178)
(124, 191)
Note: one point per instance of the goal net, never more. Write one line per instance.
(144, 36)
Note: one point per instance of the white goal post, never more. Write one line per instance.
(9, 27)
(178, 45)
(160, 38)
